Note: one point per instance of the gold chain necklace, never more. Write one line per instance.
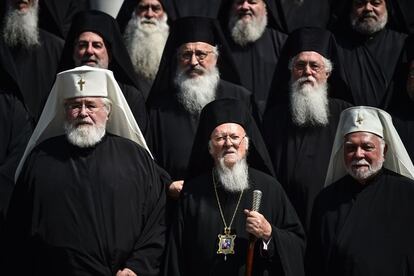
(226, 241)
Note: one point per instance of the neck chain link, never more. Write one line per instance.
(226, 228)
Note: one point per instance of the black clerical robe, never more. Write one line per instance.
(193, 242)
(256, 63)
(36, 71)
(88, 211)
(15, 131)
(173, 129)
(300, 155)
(363, 230)
(367, 64)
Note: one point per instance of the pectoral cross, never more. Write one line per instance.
(81, 82)
(360, 119)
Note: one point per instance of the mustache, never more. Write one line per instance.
(360, 162)
(302, 80)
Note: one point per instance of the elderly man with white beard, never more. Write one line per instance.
(88, 198)
(362, 222)
(215, 220)
(196, 68)
(145, 36)
(256, 44)
(299, 134)
(35, 52)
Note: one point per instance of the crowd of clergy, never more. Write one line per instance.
(132, 145)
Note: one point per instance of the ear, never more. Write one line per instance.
(385, 149)
(328, 74)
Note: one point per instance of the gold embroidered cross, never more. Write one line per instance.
(81, 82)
(360, 119)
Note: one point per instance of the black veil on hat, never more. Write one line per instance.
(185, 30)
(227, 111)
(106, 26)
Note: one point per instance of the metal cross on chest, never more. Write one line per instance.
(81, 82)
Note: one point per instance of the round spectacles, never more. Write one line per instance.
(235, 140)
(78, 107)
(300, 66)
(200, 55)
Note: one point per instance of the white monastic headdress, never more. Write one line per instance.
(84, 81)
(374, 120)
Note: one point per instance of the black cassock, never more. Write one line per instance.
(173, 129)
(300, 155)
(193, 242)
(36, 69)
(256, 63)
(363, 230)
(367, 65)
(86, 211)
(15, 131)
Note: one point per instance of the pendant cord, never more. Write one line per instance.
(226, 228)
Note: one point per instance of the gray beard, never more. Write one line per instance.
(195, 93)
(21, 28)
(235, 179)
(244, 32)
(145, 44)
(84, 136)
(364, 175)
(309, 105)
(368, 28)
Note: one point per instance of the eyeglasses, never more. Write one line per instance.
(77, 107)
(199, 54)
(300, 66)
(234, 139)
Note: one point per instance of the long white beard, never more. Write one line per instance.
(84, 136)
(236, 178)
(195, 93)
(21, 28)
(368, 27)
(145, 40)
(247, 31)
(364, 174)
(309, 105)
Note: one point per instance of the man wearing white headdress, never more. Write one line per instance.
(88, 198)
(363, 223)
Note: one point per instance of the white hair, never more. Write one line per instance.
(244, 32)
(145, 40)
(367, 28)
(21, 28)
(309, 104)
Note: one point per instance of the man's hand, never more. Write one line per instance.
(175, 188)
(126, 272)
(257, 225)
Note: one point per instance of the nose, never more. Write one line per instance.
(83, 112)
(227, 142)
(368, 6)
(149, 13)
(308, 70)
(244, 5)
(90, 49)
(193, 60)
(359, 153)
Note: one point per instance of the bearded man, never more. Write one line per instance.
(369, 52)
(145, 36)
(299, 134)
(35, 53)
(215, 219)
(107, 218)
(362, 222)
(196, 68)
(256, 45)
